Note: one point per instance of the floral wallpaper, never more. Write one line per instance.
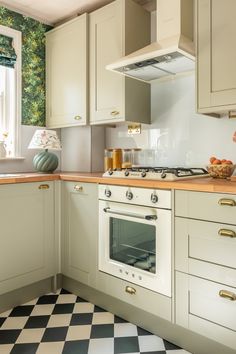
(33, 64)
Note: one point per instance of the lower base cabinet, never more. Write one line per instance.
(27, 237)
(200, 308)
(80, 231)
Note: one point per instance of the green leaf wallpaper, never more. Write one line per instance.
(33, 64)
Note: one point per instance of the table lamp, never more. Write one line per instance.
(47, 140)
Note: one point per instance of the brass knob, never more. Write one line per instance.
(227, 202)
(227, 233)
(77, 117)
(44, 186)
(227, 295)
(78, 188)
(115, 113)
(130, 290)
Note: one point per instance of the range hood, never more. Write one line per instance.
(173, 51)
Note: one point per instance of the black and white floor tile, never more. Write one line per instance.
(64, 323)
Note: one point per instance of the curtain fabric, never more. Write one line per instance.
(7, 52)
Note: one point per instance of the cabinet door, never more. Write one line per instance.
(66, 60)
(80, 231)
(106, 46)
(27, 252)
(216, 55)
(200, 308)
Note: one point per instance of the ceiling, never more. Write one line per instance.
(55, 11)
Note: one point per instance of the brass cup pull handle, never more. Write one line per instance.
(115, 113)
(78, 188)
(130, 290)
(227, 202)
(44, 186)
(227, 295)
(77, 117)
(227, 233)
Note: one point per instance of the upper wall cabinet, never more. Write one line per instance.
(117, 30)
(216, 56)
(66, 69)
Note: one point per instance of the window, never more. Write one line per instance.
(10, 96)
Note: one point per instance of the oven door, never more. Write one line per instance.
(135, 244)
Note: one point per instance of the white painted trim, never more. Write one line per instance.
(17, 44)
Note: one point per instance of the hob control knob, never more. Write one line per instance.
(143, 174)
(126, 173)
(129, 195)
(154, 198)
(107, 193)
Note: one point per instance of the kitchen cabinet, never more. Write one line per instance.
(117, 29)
(216, 56)
(205, 265)
(66, 74)
(27, 235)
(80, 231)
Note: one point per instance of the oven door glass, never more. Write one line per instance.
(133, 243)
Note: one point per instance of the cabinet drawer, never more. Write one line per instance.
(204, 310)
(144, 299)
(206, 206)
(206, 241)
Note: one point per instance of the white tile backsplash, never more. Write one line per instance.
(178, 135)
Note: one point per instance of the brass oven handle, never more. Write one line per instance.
(228, 202)
(127, 213)
(115, 113)
(78, 188)
(130, 290)
(77, 117)
(227, 295)
(227, 233)
(44, 186)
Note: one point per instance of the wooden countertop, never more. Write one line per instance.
(205, 184)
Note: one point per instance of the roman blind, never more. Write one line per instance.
(7, 52)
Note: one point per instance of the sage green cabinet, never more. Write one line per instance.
(27, 237)
(216, 56)
(66, 74)
(115, 30)
(80, 231)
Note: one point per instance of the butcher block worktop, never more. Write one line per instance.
(205, 184)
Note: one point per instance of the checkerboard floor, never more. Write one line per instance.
(65, 323)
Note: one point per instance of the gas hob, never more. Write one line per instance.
(157, 173)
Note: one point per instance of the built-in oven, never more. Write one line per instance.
(135, 236)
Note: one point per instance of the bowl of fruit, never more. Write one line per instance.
(220, 168)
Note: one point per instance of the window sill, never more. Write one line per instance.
(12, 158)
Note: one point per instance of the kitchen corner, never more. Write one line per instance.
(128, 244)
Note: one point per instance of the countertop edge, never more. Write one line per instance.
(205, 184)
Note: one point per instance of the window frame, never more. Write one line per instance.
(17, 43)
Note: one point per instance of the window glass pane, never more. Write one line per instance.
(8, 108)
(133, 243)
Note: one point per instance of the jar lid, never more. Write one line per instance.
(136, 149)
(127, 149)
(116, 149)
(108, 149)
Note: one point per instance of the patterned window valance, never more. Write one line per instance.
(7, 52)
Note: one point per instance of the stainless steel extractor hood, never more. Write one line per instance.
(173, 51)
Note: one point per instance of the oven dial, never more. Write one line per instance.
(107, 193)
(143, 174)
(154, 198)
(129, 195)
(126, 173)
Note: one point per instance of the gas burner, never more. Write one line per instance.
(157, 173)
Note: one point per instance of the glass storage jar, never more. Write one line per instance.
(117, 158)
(108, 160)
(127, 158)
(136, 157)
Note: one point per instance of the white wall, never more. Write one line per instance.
(179, 135)
(26, 165)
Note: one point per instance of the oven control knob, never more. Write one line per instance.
(110, 172)
(107, 193)
(126, 173)
(163, 175)
(129, 195)
(154, 198)
(143, 174)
